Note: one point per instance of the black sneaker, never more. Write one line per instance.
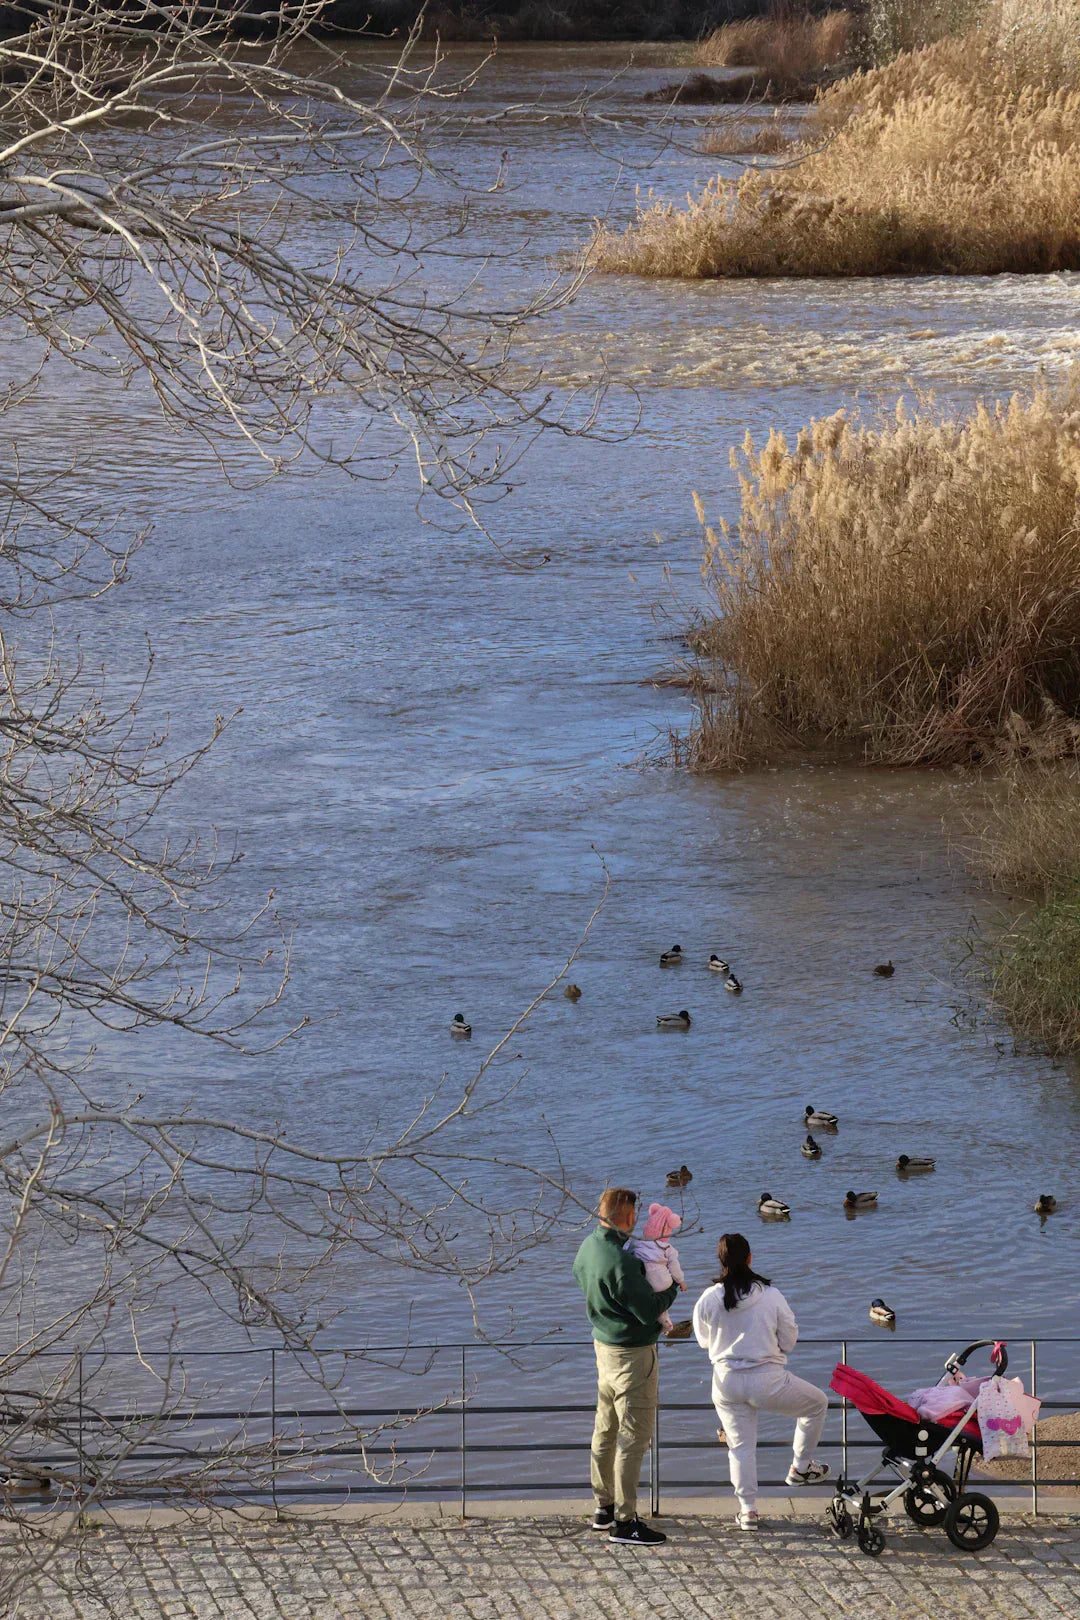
(603, 1518)
(632, 1533)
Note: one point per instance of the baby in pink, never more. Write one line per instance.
(658, 1254)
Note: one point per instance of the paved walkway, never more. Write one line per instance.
(554, 1569)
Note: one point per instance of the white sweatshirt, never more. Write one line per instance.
(759, 1330)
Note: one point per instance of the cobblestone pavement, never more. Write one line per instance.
(555, 1569)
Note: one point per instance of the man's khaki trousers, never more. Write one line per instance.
(627, 1391)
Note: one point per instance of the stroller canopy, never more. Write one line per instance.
(870, 1398)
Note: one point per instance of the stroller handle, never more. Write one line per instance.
(999, 1354)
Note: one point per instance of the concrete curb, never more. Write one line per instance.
(1011, 1503)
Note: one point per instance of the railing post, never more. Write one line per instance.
(273, 1432)
(81, 1434)
(463, 1431)
(843, 1417)
(1034, 1441)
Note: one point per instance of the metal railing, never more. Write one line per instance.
(115, 1445)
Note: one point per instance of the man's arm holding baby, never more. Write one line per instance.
(636, 1295)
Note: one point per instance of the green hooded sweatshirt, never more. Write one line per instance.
(621, 1307)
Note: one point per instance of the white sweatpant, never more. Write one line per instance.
(739, 1394)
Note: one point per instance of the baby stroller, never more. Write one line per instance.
(914, 1448)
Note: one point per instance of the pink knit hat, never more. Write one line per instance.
(662, 1223)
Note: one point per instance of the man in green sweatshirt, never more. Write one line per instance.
(623, 1313)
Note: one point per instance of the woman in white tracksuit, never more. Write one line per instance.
(747, 1327)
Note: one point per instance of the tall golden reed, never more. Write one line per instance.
(909, 591)
(948, 160)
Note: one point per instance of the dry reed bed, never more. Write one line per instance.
(789, 55)
(912, 591)
(945, 161)
(1028, 842)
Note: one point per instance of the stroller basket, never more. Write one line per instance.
(918, 1437)
(914, 1450)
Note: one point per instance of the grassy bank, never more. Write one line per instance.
(960, 158)
(1029, 844)
(909, 591)
(1035, 984)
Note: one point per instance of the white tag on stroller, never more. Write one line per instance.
(1000, 1421)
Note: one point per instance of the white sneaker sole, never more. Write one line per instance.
(815, 1478)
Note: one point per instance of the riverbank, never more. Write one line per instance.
(548, 1568)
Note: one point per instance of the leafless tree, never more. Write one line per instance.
(229, 219)
(156, 163)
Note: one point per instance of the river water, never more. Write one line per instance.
(433, 745)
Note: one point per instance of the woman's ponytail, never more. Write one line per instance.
(733, 1252)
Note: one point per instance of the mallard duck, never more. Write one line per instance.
(774, 1208)
(679, 1020)
(680, 1330)
(884, 970)
(460, 1028)
(913, 1167)
(854, 1200)
(718, 965)
(1045, 1204)
(37, 1485)
(818, 1116)
(572, 992)
(671, 958)
(810, 1149)
(880, 1312)
(731, 983)
(679, 1177)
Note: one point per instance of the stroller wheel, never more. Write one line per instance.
(971, 1522)
(839, 1517)
(923, 1507)
(871, 1540)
